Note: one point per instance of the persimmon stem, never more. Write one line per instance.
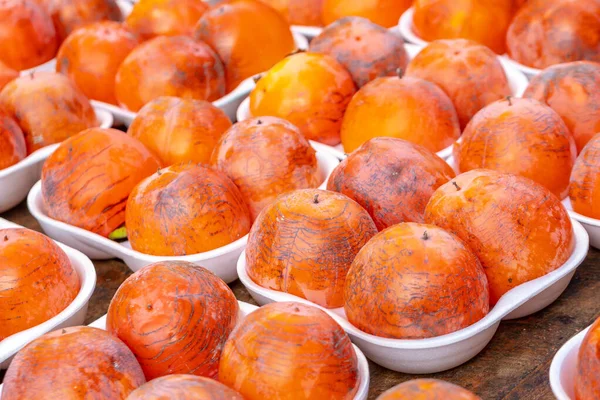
(456, 185)
(316, 199)
(259, 122)
(425, 236)
(159, 172)
(509, 99)
(400, 72)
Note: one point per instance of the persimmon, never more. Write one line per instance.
(38, 280)
(265, 157)
(7, 74)
(180, 130)
(175, 317)
(202, 205)
(365, 49)
(87, 180)
(151, 18)
(381, 12)
(587, 374)
(290, 351)
(60, 364)
(427, 389)
(299, 12)
(544, 33)
(12, 142)
(169, 66)
(304, 242)
(249, 36)
(391, 178)
(407, 108)
(573, 91)
(91, 57)
(310, 90)
(470, 74)
(184, 387)
(519, 136)
(483, 21)
(517, 228)
(584, 189)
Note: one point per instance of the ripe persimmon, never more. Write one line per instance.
(7, 74)
(584, 189)
(587, 374)
(290, 351)
(87, 180)
(385, 13)
(310, 90)
(427, 389)
(184, 387)
(265, 157)
(517, 228)
(12, 142)
(365, 49)
(299, 12)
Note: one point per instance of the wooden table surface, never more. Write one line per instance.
(513, 366)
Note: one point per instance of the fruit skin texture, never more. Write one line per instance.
(87, 180)
(290, 351)
(406, 108)
(573, 91)
(203, 207)
(381, 12)
(304, 242)
(179, 130)
(310, 90)
(517, 229)
(483, 21)
(544, 33)
(175, 317)
(48, 107)
(365, 49)
(266, 157)
(58, 365)
(38, 281)
(299, 12)
(468, 72)
(7, 74)
(587, 377)
(584, 190)
(391, 178)
(27, 36)
(249, 36)
(523, 137)
(12, 142)
(151, 18)
(169, 66)
(427, 389)
(184, 387)
(91, 57)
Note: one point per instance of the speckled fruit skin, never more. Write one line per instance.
(87, 180)
(299, 12)
(7, 74)
(310, 90)
(584, 190)
(483, 21)
(406, 108)
(184, 387)
(265, 157)
(74, 363)
(468, 72)
(38, 281)
(587, 374)
(185, 209)
(573, 91)
(290, 351)
(175, 317)
(180, 130)
(427, 389)
(365, 49)
(249, 36)
(544, 33)
(519, 136)
(12, 142)
(518, 229)
(304, 242)
(169, 66)
(381, 12)
(391, 178)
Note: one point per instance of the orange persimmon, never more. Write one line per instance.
(7, 74)
(584, 189)
(427, 389)
(381, 12)
(184, 387)
(299, 12)
(12, 142)
(587, 374)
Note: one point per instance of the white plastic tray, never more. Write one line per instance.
(564, 366)
(591, 225)
(222, 261)
(424, 356)
(73, 315)
(16, 180)
(309, 32)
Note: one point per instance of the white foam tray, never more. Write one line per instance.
(73, 315)
(591, 225)
(425, 356)
(16, 180)
(309, 32)
(222, 261)
(564, 366)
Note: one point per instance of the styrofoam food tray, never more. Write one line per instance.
(74, 314)
(309, 32)
(424, 356)
(564, 366)
(591, 225)
(16, 180)
(222, 261)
